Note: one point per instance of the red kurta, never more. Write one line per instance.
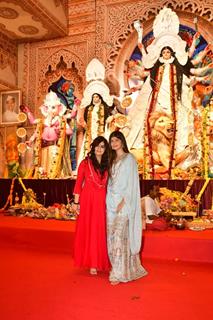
(90, 239)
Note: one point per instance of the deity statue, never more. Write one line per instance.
(162, 116)
(101, 110)
(95, 106)
(51, 139)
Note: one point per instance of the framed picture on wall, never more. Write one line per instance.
(9, 106)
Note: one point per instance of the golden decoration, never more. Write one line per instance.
(21, 132)
(188, 188)
(198, 197)
(56, 161)
(22, 117)
(22, 147)
(120, 120)
(88, 133)
(126, 102)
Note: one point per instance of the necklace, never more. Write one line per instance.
(95, 126)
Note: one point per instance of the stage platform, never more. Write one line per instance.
(58, 236)
(56, 190)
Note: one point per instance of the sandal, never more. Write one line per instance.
(93, 271)
(114, 283)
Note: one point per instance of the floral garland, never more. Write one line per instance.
(88, 133)
(153, 103)
(205, 143)
(37, 148)
(56, 160)
(174, 201)
(148, 144)
(145, 162)
(29, 197)
(101, 120)
(173, 97)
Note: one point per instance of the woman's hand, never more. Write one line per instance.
(120, 206)
(75, 207)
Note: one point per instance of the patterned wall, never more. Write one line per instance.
(110, 37)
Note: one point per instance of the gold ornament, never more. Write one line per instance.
(21, 132)
(22, 117)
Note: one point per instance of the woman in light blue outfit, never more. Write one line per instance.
(124, 219)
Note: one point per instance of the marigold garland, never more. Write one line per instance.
(56, 161)
(174, 201)
(148, 150)
(173, 97)
(37, 148)
(205, 142)
(88, 133)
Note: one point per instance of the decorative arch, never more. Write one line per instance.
(131, 42)
(115, 46)
(61, 63)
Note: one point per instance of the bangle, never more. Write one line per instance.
(75, 202)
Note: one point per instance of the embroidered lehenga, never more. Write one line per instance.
(124, 229)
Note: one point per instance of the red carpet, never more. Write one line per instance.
(184, 245)
(38, 281)
(43, 235)
(58, 236)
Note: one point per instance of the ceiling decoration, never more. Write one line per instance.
(8, 13)
(28, 30)
(33, 20)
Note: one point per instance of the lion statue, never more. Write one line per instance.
(162, 135)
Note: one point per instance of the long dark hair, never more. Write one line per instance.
(112, 153)
(104, 164)
(180, 70)
(106, 108)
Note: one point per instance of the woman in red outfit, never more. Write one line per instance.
(90, 189)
